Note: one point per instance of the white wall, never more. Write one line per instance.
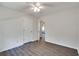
(12, 32)
(61, 27)
(78, 29)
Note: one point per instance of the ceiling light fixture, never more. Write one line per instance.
(36, 7)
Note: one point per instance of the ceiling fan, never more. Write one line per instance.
(36, 7)
(25, 6)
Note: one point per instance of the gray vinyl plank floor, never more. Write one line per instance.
(40, 49)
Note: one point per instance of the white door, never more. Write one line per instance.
(28, 30)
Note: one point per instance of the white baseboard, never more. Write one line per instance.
(78, 51)
(62, 44)
(14, 46)
(8, 48)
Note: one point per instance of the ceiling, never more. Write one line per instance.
(12, 9)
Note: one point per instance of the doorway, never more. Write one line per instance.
(42, 31)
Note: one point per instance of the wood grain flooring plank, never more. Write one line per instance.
(40, 49)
